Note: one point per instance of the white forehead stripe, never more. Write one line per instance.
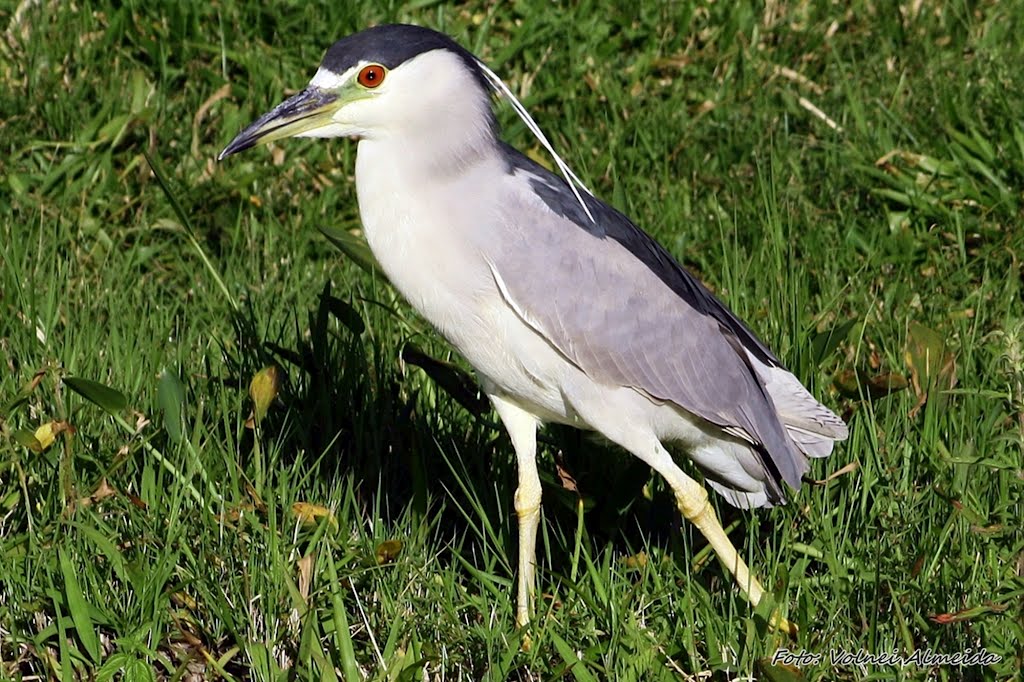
(325, 79)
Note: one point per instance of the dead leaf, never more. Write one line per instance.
(932, 366)
(882, 385)
(539, 156)
(309, 513)
(994, 529)
(46, 434)
(102, 492)
(638, 560)
(200, 114)
(848, 469)
(564, 477)
(141, 422)
(850, 383)
(185, 600)
(967, 614)
(263, 389)
(188, 636)
(387, 552)
(305, 565)
(261, 506)
(233, 514)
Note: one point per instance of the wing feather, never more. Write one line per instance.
(618, 306)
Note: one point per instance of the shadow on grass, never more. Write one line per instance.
(407, 440)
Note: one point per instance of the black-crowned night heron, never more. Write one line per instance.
(568, 312)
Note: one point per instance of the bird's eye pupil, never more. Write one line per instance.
(371, 76)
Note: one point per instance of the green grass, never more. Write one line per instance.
(824, 168)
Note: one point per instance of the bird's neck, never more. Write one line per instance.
(403, 179)
(422, 209)
(418, 158)
(452, 135)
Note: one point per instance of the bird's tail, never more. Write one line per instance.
(812, 426)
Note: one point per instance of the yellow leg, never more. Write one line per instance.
(631, 432)
(528, 511)
(522, 429)
(692, 500)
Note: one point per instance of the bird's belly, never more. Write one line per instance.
(515, 362)
(450, 284)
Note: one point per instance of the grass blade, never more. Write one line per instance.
(353, 247)
(342, 635)
(170, 396)
(78, 607)
(187, 225)
(106, 398)
(575, 665)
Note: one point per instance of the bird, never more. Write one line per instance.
(567, 311)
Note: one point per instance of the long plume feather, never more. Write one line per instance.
(570, 178)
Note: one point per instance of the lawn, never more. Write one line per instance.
(849, 177)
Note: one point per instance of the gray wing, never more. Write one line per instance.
(611, 300)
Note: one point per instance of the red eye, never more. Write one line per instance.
(371, 76)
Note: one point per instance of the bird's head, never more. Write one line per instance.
(388, 81)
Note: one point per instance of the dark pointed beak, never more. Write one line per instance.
(306, 111)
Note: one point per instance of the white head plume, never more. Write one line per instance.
(575, 184)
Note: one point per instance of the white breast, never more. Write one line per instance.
(425, 230)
